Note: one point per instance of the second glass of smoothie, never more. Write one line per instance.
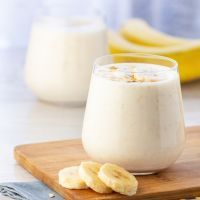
(134, 113)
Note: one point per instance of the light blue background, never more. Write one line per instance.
(177, 17)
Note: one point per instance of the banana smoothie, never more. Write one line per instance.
(60, 57)
(134, 116)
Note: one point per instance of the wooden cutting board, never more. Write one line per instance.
(182, 180)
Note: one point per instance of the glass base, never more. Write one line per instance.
(64, 104)
(142, 173)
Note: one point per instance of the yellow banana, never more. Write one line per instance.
(187, 55)
(138, 31)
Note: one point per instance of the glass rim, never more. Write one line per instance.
(69, 23)
(142, 55)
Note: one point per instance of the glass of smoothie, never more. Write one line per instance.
(64, 43)
(134, 113)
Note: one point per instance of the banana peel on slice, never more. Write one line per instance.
(140, 32)
(187, 55)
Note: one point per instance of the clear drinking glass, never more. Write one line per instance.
(65, 40)
(134, 113)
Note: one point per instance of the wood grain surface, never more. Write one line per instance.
(181, 180)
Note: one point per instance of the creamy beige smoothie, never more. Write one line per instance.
(134, 116)
(60, 57)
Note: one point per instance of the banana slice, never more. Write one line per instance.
(69, 178)
(89, 173)
(118, 179)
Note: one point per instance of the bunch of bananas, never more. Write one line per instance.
(137, 36)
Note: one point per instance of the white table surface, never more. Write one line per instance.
(23, 119)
